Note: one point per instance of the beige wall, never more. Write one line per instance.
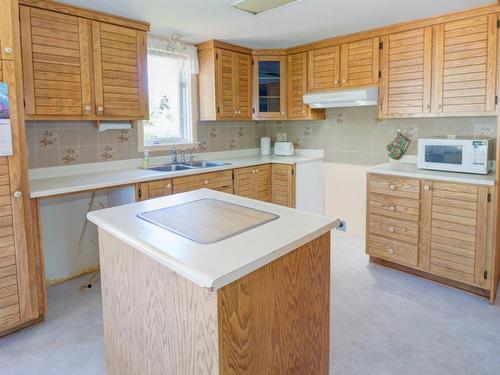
(345, 195)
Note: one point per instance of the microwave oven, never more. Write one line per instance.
(466, 155)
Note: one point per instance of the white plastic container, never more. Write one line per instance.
(265, 146)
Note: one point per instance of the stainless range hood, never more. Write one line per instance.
(342, 98)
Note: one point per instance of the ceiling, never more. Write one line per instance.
(303, 22)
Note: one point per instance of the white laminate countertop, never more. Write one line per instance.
(46, 182)
(213, 265)
(408, 169)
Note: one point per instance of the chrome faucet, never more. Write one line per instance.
(191, 156)
(174, 155)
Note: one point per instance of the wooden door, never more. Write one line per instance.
(244, 182)
(120, 71)
(465, 66)
(18, 290)
(262, 189)
(56, 63)
(8, 8)
(244, 86)
(153, 189)
(455, 217)
(405, 86)
(324, 69)
(360, 63)
(269, 87)
(283, 184)
(227, 65)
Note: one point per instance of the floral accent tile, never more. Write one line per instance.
(108, 153)
(124, 136)
(297, 143)
(213, 133)
(232, 144)
(241, 132)
(203, 146)
(70, 156)
(486, 132)
(340, 118)
(307, 131)
(48, 138)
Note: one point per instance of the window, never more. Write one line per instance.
(170, 98)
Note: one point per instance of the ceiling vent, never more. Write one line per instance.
(260, 6)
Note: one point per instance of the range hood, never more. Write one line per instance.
(342, 98)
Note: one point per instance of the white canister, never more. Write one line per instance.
(265, 146)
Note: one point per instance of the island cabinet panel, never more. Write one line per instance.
(253, 182)
(405, 87)
(360, 63)
(465, 54)
(56, 63)
(283, 184)
(221, 181)
(7, 12)
(120, 66)
(154, 189)
(324, 69)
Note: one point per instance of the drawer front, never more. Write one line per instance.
(159, 188)
(398, 208)
(221, 181)
(392, 250)
(393, 228)
(394, 186)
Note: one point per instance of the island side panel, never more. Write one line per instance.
(275, 320)
(155, 321)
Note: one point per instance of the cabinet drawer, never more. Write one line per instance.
(397, 229)
(393, 250)
(394, 186)
(398, 208)
(222, 181)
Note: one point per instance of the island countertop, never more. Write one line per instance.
(213, 265)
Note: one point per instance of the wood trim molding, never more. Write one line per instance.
(218, 44)
(87, 13)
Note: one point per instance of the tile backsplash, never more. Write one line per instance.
(348, 135)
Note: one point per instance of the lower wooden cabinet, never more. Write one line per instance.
(253, 182)
(443, 229)
(283, 184)
(153, 189)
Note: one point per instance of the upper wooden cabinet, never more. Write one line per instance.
(78, 68)
(464, 66)
(269, 87)
(8, 9)
(224, 82)
(324, 69)
(405, 86)
(297, 87)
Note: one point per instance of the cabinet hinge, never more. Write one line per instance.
(253, 110)
(379, 74)
(218, 109)
(381, 45)
(293, 171)
(496, 99)
(139, 193)
(216, 56)
(489, 197)
(253, 62)
(498, 24)
(485, 275)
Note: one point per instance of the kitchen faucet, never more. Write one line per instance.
(195, 146)
(174, 155)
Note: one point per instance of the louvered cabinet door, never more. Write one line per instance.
(360, 63)
(405, 87)
(7, 11)
(283, 184)
(263, 182)
(456, 215)
(324, 69)
(120, 66)
(56, 63)
(227, 64)
(465, 66)
(297, 86)
(244, 88)
(244, 182)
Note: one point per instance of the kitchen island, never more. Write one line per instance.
(247, 293)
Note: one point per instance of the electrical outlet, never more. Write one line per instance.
(342, 226)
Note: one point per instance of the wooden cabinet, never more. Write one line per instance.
(19, 298)
(224, 82)
(464, 66)
(79, 68)
(405, 87)
(269, 87)
(297, 87)
(283, 184)
(324, 69)
(443, 230)
(253, 182)
(154, 189)
(359, 65)
(7, 12)
(221, 181)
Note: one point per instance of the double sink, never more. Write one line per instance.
(185, 166)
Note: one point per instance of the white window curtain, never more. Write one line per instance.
(187, 54)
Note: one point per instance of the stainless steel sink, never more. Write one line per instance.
(172, 167)
(207, 164)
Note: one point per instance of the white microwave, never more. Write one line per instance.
(466, 155)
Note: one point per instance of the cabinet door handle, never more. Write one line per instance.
(427, 187)
(344, 80)
(100, 109)
(253, 171)
(256, 171)
(336, 81)
(392, 208)
(391, 229)
(205, 182)
(392, 187)
(7, 50)
(17, 194)
(169, 186)
(87, 108)
(390, 251)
